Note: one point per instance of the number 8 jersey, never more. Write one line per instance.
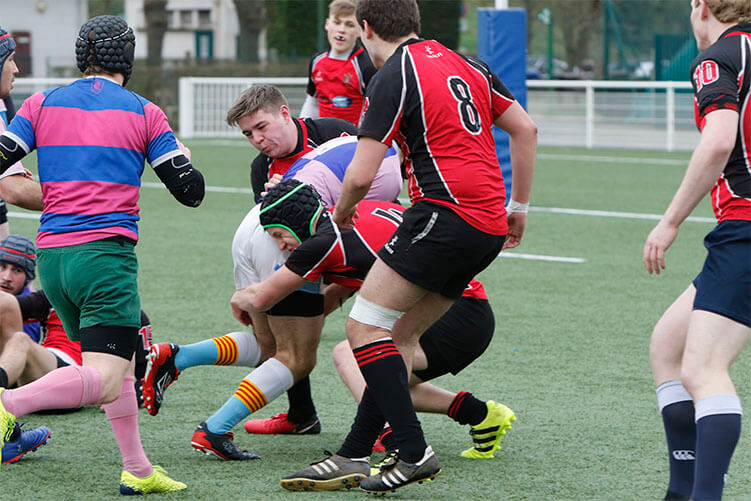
(440, 107)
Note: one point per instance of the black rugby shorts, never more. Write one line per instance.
(439, 251)
(461, 335)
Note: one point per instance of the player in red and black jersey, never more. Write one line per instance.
(440, 108)
(293, 215)
(263, 115)
(23, 361)
(337, 77)
(705, 329)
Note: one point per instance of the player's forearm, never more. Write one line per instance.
(706, 164)
(334, 297)
(183, 181)
(523, 147)
(353, 190)
(22, 192)
(703, 171)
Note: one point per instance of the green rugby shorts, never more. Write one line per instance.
(90, 284)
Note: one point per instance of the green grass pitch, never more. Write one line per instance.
(570, 353)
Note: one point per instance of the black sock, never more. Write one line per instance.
(365, 429)
(466, 409)
(301, 407)
(680, 432)
(3, 378)
(384, 371)
(387, 439)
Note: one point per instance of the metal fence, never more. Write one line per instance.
(578, 113)
(612, 114)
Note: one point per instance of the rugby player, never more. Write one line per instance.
(285, 338)
(337, 76)
(263, 116)
(701, 334)
(293, 214)
(92, 138)
(440, 108)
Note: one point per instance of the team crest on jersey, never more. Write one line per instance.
(706, 73)
(347, 80)
(432, 53)
(96, 85)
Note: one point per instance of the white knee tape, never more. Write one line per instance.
(369, 313)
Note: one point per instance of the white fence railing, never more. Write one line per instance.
(613, 114)
(580, 113)
(204, 102)
(24, 87)
(584, 113)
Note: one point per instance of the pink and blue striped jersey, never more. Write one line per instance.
(92, 138)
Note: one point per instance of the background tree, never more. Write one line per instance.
(292, 27)
(155, 13)
(440, 21)
(251, 16)
(101, 7)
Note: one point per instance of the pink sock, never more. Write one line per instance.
(123, 416)
(65, 388)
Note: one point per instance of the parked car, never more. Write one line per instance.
(537, 67)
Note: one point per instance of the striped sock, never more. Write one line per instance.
(250, 395)
(384, 371)
(263, 385)
(466, 409)
(226, 349)
(235, 348)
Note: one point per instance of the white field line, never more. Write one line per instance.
(554, 210)
(507, 254)
(214, 189)
(24, 215)
(612, 160)
(538, 257)
(621, 215)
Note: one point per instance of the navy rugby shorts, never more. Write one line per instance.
(724, 284)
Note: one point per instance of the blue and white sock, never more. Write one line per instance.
(718, 428)
(677, 409)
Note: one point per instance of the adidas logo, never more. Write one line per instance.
(683, 455)
(326, 466)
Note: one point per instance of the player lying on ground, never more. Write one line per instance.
(17, 270)
(285, 338)
(293, 214)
